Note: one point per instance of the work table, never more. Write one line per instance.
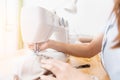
(8, 63)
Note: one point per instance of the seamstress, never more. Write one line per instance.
(108, 43)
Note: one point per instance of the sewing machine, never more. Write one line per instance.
(38, 25)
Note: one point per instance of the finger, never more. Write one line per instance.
(53, 65)
(15, 77)
(31, 46)
(52, 68)
(43, 46)
(47, 78)
(53, 62)
(47, 66)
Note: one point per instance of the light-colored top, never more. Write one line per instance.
(111, 57)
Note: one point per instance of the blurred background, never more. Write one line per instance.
(85, 17)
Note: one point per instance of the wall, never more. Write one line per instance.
(8, 26)
(91, 16)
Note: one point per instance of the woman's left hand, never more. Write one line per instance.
(62, 71)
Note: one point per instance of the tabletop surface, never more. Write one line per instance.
(8, 63)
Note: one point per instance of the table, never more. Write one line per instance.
(96, 68)
(8, 63)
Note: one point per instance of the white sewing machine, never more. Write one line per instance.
(38, 25)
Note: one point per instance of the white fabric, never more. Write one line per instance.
(29, 68)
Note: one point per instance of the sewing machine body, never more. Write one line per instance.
(38, 25)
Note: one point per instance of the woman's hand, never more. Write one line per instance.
(15, 77)
(42, 45)
(62, 71)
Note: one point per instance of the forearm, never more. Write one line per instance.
(79, 50)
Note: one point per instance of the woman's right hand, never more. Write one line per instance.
(62, 71)
(42, 45)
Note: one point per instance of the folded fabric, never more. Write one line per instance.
(30, 66)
